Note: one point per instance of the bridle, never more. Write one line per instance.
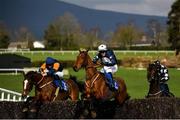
(86, 66)
(150, 94)
(40, 81)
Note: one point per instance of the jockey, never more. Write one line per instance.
(53, 68)
(163, 75)
(108, 59)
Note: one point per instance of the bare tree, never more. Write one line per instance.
(125, 35)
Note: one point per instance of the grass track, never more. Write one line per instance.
(137, 84)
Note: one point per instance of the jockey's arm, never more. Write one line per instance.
(95, 59)
(42, 68)
(112, 61)
(112, 58)
(56, 67)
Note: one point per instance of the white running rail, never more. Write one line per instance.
(8, 95)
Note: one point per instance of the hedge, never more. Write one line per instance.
(152, 108)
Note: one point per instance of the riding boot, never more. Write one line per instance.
(164, 88)
(110, 80)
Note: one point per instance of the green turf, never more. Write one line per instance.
(11, 82)
(41, 55)
(136, 81)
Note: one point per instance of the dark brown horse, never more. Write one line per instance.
(95, 84)
(45, 89)
(154, 80)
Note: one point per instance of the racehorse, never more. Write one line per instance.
(154, 80)
(95, 83)
(45, 89)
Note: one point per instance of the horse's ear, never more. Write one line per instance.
(80, 50)
(87, 50)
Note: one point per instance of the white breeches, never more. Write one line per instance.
(60, 74)
(111, 69)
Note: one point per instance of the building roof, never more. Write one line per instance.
(38, 44)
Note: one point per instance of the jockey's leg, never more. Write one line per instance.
(64, 85)
(108, 74)
(59, 75)
(110, 79)
(165, 89)
(56, 83)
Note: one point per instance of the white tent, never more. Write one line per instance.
(37, 44)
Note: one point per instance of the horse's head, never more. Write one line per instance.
(152, 72)
(81, 60)
(29, 80)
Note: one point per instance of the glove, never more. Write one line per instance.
(44, 74)
(46, 70)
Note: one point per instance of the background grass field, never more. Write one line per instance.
(71, 55)
(136, 81)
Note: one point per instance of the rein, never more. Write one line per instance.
(40, 80)
(94, 79)
(43, 84)
(155, 93)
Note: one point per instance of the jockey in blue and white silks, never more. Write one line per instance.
(163, 76)
(108, 59)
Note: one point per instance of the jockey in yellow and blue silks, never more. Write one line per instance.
(53, 68)
(109, 62)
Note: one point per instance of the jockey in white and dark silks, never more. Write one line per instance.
(108, 59)
(163, 76)
(53, 68)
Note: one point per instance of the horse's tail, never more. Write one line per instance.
(80, 84)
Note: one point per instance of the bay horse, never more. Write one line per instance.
(45, 89)
(95, 83)
(154, 80)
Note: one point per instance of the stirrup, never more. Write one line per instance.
(57, 91)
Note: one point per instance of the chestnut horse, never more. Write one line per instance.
(95, 84)
(154, 80)
(45, 89)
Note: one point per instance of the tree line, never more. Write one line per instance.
(65, 32)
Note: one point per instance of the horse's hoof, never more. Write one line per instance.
(86, 112)
(25, 110)
(81, 117)
(93, 114)
(33, 110)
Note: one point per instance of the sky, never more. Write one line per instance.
(145, 7)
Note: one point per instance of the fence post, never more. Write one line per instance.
(19, 98)
(8, 97)
(2, 96)
(16, 72)
(14, 98)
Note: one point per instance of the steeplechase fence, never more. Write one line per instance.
(8, 95)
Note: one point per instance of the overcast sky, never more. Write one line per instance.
(147, 7)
